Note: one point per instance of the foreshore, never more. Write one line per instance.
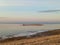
(37, 35)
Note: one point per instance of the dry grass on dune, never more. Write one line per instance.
(46, 40)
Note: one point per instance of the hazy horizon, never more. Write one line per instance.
(29, 22)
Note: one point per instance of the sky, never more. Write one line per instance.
(29, 11)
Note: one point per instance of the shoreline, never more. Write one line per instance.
(39, 34)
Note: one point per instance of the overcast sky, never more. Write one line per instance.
(29, 10)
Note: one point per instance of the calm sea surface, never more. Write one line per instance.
(16, 29)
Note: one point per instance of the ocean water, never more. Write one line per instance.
(18, 30)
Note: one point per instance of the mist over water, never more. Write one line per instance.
(18, 30)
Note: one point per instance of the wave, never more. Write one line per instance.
(22, 35)
(28, 33)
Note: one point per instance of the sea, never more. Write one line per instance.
(15, 30)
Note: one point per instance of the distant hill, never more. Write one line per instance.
(32, 24)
